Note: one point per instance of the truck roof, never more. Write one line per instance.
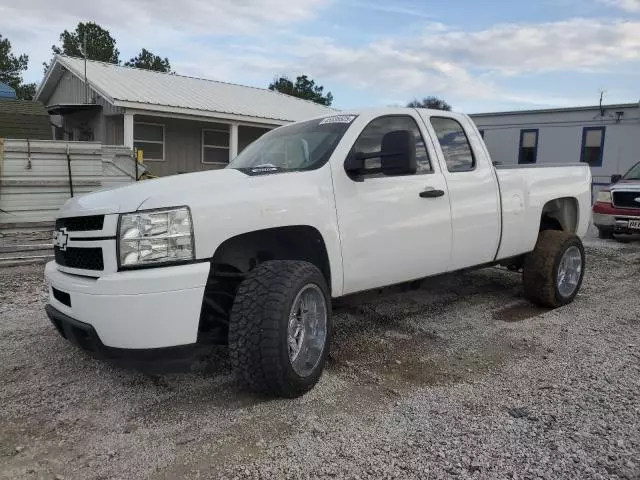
(380, 111)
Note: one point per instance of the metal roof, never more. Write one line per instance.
(6, 91)
(24, 119)
(556, 110)
(148, 90)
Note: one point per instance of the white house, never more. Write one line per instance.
(607, 137)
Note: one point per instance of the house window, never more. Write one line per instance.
(528, 146)
(215, 144)
(247, 135)
(592, 145)
(149, 137)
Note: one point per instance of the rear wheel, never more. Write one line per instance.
(280, 328)
(553, 272)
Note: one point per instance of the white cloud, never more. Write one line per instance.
(34, 25)
(205, 16)
(576, 44)
(249, 41)
(626, 5)
(468, 64)
(391, 7)
(390, 66)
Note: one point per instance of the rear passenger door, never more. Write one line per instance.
(473, 190)
(388, 231)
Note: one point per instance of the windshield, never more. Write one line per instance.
(633, 174)
(301, 146)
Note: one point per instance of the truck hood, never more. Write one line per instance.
(130, 198)
(625, 185)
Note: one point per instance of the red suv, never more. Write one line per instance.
(617, 207)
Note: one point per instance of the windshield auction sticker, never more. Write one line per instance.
(338, 119)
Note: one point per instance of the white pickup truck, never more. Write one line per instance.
(252, 255)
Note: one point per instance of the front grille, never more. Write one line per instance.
(626, 199)
(62, 297)
(81, 224)
(84, 258)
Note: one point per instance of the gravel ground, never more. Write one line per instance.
(460, 378)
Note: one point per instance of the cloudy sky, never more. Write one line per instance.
(479, 56)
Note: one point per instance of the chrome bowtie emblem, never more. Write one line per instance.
(637, 199)
(60, 238)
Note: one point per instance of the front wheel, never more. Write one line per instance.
(553, 272)
(280, 328)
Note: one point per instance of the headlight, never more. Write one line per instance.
(155, 237)
(603, 196)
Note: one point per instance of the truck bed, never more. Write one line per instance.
(524, 192)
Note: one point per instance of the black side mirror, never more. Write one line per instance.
(616, 178)
(354, 164)
(397, 157)
(399, 153)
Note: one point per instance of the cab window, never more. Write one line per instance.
(370, 140)
(454, 143)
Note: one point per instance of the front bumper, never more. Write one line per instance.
(133, 310)
(614, 223)
(85, 336)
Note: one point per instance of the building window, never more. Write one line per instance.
(528, 146)
(455, 144)
(592, 146)
(215, 144)
(247, 135)
(149, 137)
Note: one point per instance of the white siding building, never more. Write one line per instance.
(607, 138)
(181, 124)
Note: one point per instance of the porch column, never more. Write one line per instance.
(233, 142)
(128, 130)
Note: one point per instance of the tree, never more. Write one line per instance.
(26, 91)
(11, 68)
(147, 60)
(303, 88)
(433, 103)
(101, 45)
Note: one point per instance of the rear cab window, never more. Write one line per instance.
(454, 143)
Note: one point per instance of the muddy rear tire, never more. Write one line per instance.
(276, 344)
(553, 272)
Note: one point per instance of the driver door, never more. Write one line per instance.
(392, 228)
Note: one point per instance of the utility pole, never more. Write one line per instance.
(84, 54)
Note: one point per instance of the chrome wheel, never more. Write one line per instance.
(307, 331)
(569, 271)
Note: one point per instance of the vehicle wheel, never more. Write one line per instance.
(605, 234)
(553, 271)
(280, 328)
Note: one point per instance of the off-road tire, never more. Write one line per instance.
(605, 234)
(541, 268)
(258, 328)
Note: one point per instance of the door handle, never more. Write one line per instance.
(432, 193)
